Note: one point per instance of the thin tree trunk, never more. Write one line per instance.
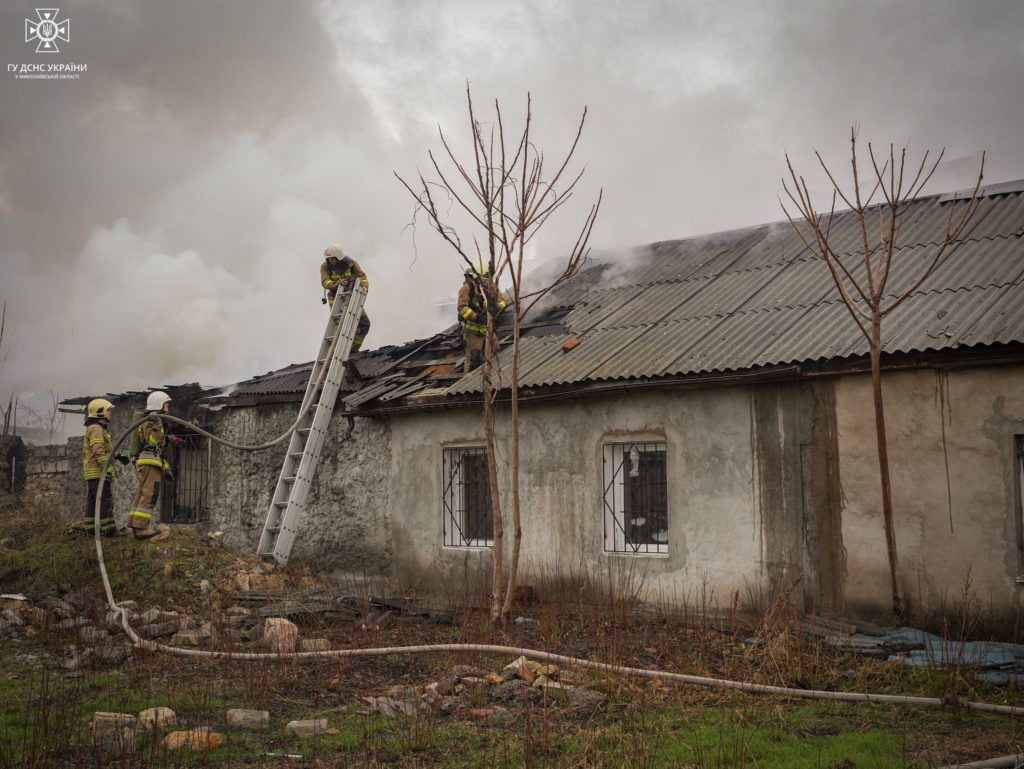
(883, 458)
(498, 579)
(513, 571)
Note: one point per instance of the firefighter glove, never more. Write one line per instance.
(122, 459)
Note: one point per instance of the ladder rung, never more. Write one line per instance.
(273, 529)
(304, 429)
(281, 504)
(296, 453)
(289, 479)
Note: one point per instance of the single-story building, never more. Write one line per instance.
(699, 413)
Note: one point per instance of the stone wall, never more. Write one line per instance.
(47, 468)
(349, 505)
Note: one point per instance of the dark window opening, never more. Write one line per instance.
(184, 497)
(467, 516)
(635, 498)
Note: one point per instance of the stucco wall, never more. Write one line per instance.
(715, 535)
(954, 485)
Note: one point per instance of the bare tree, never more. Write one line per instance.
(862, 279)
(507, 196)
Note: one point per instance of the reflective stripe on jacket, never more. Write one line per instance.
(152, 439)
(96, 447)
(472, 306)
(341, 275)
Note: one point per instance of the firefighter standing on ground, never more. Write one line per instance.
(96, 447)
(151, 467)
(478, 293)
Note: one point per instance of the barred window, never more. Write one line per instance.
(467, 517)
(635, 498)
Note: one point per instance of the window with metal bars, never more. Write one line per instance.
(635, 498)
(466, 502)
(1018, 454)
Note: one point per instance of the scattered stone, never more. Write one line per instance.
(112, 654)
(15, 601)
(200, 738)
(525, 621)
(205, 587)
(38, 617)
(468, 671)
(389, 707)
(61, 608)
(240, 718)
(238, 611)
(71, 624)
(158, 629)
(156, 720)
(314, 644)
(553, 689)
(12, 617)
(307, 728)
(280, 635)
(92, 635)
(587, 700)
(156, 614)
(131, 606)
(168, 570)
(114, 733)
(190, 640)
(432, 695)
(516, 692)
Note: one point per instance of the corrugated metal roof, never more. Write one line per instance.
(747, 298)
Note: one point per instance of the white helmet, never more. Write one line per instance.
(156, 401)
(335, 250)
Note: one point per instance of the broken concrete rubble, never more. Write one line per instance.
(241, 718)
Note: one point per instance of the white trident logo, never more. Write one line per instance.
(47, 30)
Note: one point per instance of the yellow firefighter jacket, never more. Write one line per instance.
(152, 439)
(96, 447)
(342, 274)
(473, 304)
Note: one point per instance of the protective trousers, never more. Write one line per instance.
(363, 327)
(474, 349)
(108, 526)
(144, 506)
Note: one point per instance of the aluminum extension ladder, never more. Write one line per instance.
(289, 501)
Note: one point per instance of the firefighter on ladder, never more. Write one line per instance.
(477, 295)
(151, 467)
(340, 272)
(96, 447)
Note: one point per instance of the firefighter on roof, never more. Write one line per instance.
(340, 271)
(151, 466)
(477, 296)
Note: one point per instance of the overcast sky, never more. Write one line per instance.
(162, 218)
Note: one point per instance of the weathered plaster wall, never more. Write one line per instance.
(954, 484)
(715, 532)
(348, 507)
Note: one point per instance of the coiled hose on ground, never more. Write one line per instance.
(489, 649)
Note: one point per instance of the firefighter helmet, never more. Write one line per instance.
(334, 250)
(156, 401)
(482, 270)
(98, 408)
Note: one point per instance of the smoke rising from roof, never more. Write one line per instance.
(162, 218)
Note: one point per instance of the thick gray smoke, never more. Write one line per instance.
(162, 217)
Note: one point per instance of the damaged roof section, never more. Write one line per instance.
(744, 301)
